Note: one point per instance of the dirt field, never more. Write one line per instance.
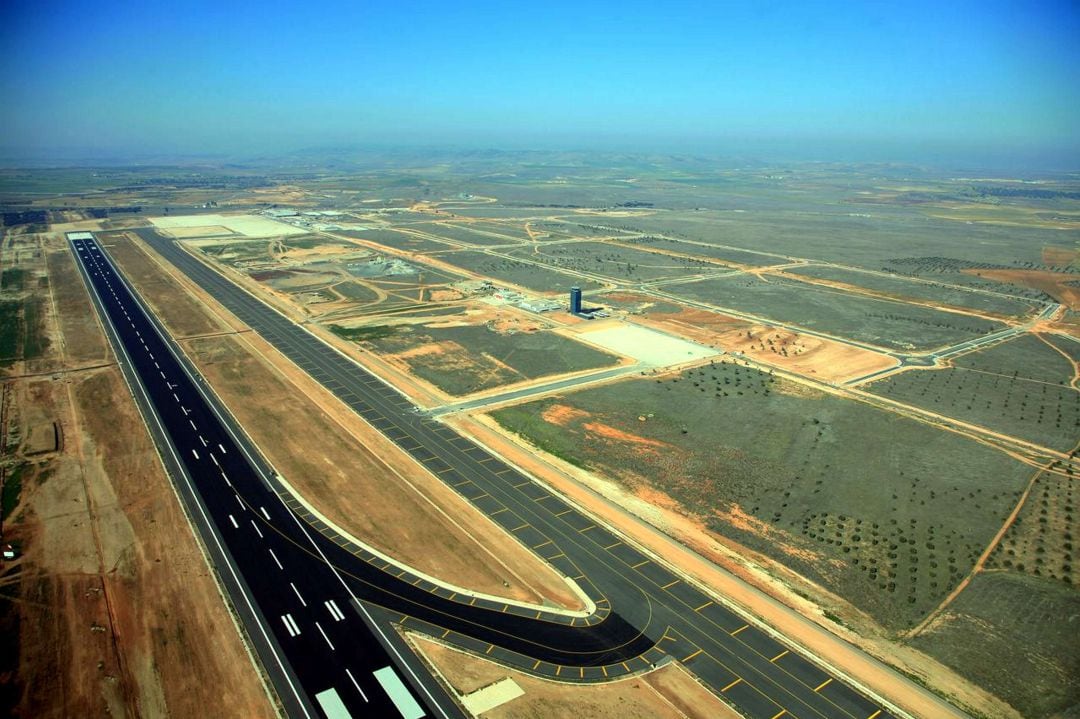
(666, 693)
(1055, 284)
(322, 449)
(821, 359)
(111, 599)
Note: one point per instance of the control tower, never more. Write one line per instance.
(575, 300)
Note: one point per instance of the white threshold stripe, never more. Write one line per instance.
(399, 693)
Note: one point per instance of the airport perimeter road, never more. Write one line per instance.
(746, 664)
(322, 653)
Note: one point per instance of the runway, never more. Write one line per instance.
(646, 612)
(319, 648)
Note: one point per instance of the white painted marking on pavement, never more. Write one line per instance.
(195, 453)
(276, 561)
(356, 684)
(297, 591)
(263, 510)
(257, 530)
(233, 520)
(319, 627)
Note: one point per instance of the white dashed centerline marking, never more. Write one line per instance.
(297, 592)
(192, 423)
(226, 478)
(257, 530)
(356, 684)
(202, 440)
(222, 449)
(195, 453)
(276, 561)
(264, 513)
(319, 627)
(233, 520)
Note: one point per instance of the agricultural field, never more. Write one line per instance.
(909, 289)
(808, 225)
(1014, 635)
(891, 527)
(1021, 388)
(618, 262)
(523, 274)
(397, 240)
(700, 249)
(462, 359)
(885, 323)
(474, 234)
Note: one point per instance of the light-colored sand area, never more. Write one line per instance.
(648, 346)
(248, 225)
(183, 233)
(813, 357)
(666, 693)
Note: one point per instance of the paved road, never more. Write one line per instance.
(646, 613)
(320, 649)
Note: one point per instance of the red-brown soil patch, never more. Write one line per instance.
(810, 356)
(1055, 284)
(1054, 255)
(562, 414)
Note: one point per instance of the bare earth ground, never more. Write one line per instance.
(821, 359)
(665, 693)
(116, 605)
(343, 466)
(615, 507)
(1052, 283)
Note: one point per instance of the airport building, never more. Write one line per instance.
(575, 300)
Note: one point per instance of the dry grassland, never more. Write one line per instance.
(116, 605)
(341, 465)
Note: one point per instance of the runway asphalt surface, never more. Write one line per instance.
(319, 650)
(645, 612)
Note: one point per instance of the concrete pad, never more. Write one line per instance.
(491, 696)
(648, 346)
(247, 225)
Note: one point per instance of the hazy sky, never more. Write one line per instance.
(176, 77)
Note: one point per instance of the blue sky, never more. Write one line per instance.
(165, 77)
